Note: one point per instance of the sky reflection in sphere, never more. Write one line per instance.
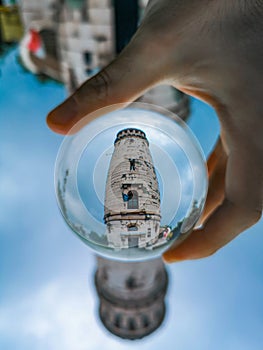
(81, 172)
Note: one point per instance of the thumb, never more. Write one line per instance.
(122, 81)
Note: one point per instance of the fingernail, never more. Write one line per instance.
(63, 115)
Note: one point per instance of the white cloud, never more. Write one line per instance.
(58, 314)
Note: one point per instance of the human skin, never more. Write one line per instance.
(213, 50)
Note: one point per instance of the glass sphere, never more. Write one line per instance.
(131, 182)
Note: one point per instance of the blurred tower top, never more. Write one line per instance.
(131, 296)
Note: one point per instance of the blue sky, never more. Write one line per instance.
(47, 297)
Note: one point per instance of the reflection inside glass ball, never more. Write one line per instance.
(131, 183)
(132, 210)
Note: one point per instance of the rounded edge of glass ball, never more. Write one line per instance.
(103, 114)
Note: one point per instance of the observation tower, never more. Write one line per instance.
(132, 198)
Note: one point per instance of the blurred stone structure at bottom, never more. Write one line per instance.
(132, 296)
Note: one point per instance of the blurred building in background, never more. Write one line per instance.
(131, 296)
(71, 40)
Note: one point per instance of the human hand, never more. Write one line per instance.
(212, 50)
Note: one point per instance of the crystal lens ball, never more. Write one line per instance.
(131, 182)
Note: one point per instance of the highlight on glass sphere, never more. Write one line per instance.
(131, 182)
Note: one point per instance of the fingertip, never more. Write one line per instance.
(57, 128)
(62, 118)
(169, 257)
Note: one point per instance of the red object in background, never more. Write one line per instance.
(35, 42)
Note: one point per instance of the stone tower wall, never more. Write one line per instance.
(131, 169)
(119, 236)
(128, 281)
(143, 179)
(131, 296)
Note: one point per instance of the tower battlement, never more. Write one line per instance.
(130, 132)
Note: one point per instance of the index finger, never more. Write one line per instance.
(122, 81)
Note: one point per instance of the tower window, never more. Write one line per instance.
(145, 321)
(131, 283)
(131, 324)
(149, 232)
(132, 228)
(117, 321)
(133, 202)
(87, 57)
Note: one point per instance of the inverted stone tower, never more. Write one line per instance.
(131, 296)
(132, 198)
